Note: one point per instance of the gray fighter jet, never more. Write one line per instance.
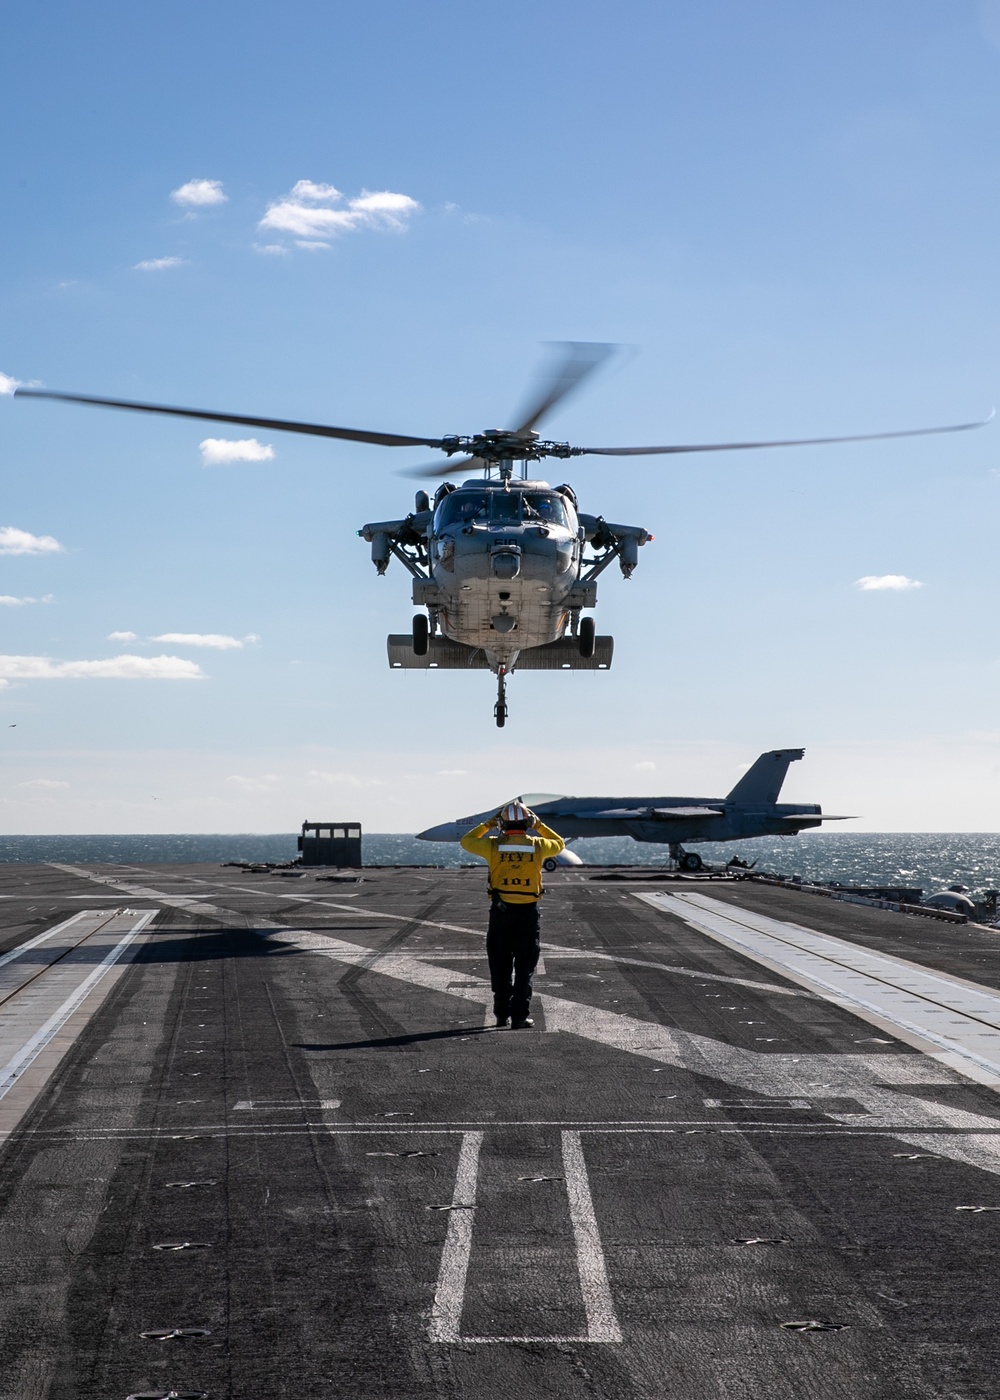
(751, 809)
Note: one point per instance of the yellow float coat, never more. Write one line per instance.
(515, 859)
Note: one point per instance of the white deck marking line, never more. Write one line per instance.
(32, 1048)
(588, 953)
(602, 1321)
(193, 906)
(255, 1106)
(553, 949)
(870, 984)
(873, 1080)
(41, 937)
(446, 1313)
(449, 1297)
(190, 906)
(927, 1141)
(463, 1125)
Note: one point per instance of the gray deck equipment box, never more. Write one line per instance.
(331, 843)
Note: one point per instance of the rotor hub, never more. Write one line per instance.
(495, 446)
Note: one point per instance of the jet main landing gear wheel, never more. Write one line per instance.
(691, 860)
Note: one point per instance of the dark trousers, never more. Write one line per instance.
(512, 947)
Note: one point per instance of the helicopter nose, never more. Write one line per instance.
(506, 564)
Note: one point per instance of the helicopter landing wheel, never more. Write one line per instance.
(587, 639)
(421, 632)
(500, 708)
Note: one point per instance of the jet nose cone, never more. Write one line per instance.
(447, 831)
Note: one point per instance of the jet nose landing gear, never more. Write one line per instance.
(500, 708)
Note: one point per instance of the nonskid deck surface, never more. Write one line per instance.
(277, 1131)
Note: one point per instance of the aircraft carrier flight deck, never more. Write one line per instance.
(260, 1138)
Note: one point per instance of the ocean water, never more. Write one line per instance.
(930, 861)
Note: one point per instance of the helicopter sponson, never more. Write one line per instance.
(502, 568)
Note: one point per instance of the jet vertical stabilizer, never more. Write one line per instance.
(762, 782)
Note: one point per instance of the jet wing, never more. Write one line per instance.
(814, 817)
(667, 812)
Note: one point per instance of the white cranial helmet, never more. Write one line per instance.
(515, 812)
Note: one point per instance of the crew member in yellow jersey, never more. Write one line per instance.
(514, 843)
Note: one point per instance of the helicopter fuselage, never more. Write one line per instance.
(504, 564)
(500, 565)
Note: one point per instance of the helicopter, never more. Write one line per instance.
(499, 562)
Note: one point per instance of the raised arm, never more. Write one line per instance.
(476, 841)
(550, 841)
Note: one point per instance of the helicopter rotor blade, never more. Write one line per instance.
(275, 424)
(573, 362)
(436, 471)
(786, 442)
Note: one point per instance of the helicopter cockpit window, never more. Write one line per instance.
(505, 507)
(545, 506)
(461, 508)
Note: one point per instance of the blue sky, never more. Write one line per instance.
(787, 210)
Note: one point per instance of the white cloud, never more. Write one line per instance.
(217, 640)
(8, 601)
(312, 245)
(215, 451)
(14, 541)
(157, 264)
(199, 193)
(289, 216)
(307, 213)
(44, 783)
(382, 205)
(123, 636)
(127, 668)
(273, 249)
(263, 783)
(897, 583)
(309, 190)
(8, 383)
(647, 766)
